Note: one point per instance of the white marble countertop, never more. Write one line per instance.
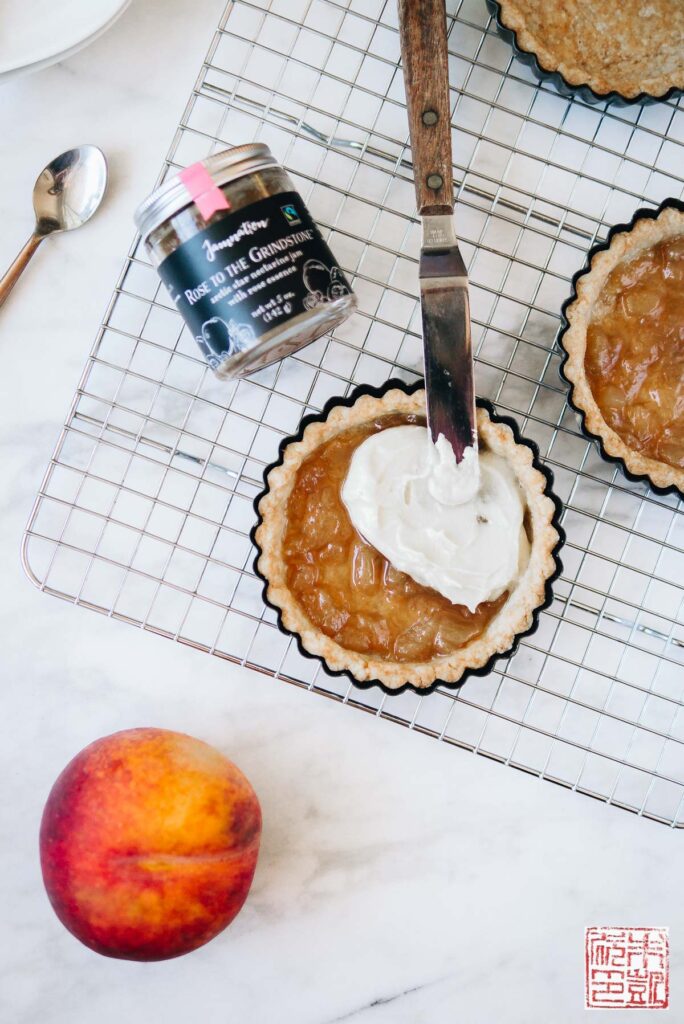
(399, 880)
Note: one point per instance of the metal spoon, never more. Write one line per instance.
(66, 194)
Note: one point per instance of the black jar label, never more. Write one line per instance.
(251, 272)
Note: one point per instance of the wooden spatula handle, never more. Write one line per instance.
(426, 76)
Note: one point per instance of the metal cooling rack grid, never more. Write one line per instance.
(145, 509)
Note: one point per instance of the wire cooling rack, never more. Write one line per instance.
(145, 510)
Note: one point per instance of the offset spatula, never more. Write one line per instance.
(443, 277)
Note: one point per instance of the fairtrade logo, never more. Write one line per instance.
(290, 214)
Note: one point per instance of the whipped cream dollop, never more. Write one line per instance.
(455, 527)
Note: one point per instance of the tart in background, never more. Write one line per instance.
(620, 50)
(623, 342)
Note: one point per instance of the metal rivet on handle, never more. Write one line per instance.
(435, 181)
(430, 117)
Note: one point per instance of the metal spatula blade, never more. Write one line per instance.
(445, 308)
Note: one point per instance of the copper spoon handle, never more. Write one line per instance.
(17, 268)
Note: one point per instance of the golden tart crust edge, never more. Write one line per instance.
(516, 616)
(658, 82)
(646, 233)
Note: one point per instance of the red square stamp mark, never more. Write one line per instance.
(627, 968)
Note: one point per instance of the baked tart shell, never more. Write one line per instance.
(510, 25)
(647, 228)
(519, 615)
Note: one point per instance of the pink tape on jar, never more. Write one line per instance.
(203, 190)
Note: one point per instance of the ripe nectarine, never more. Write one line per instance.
(148, 844)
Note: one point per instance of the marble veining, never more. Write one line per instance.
(399, 881)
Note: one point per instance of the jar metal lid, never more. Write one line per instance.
(226, 166)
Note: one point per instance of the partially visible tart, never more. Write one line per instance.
(624, 345)
(344, 601)
(628, 48)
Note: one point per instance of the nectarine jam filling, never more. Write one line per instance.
(635, 352)
(346, 587)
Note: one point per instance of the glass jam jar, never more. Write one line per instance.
(243, 260)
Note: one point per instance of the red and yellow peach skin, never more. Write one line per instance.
(148, 842)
